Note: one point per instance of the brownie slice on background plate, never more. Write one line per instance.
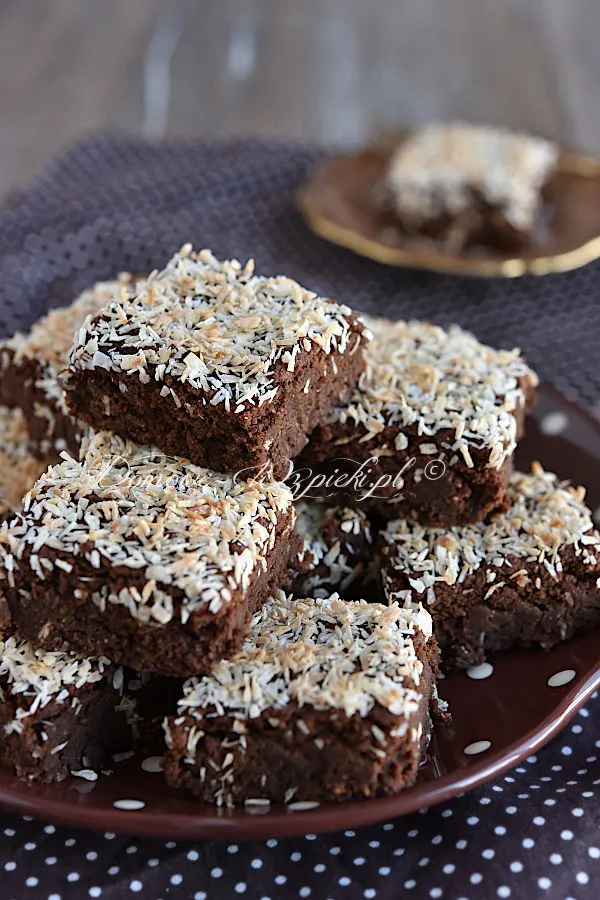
(528, 576)
(327, 700)
(31, 364)
(213, 363)
(430, 430)
(144, 558)
(469, 186)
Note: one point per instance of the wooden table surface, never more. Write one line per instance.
(333, 70)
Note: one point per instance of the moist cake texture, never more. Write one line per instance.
(466, 184)
(144, 558)
(58, 713)
(31, 364)
(326, 700)
(528, 576)
(237, 368)
(434, 421)
(335, 553)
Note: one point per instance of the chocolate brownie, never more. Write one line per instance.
(58, 714)
(335, 554)
(327, 700)
(19, 468)
(430, 430)
(468, 186)
(529, 576)
(235, 368)
(31, 364)
(144, 558)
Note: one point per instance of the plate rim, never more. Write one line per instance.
(323, 818)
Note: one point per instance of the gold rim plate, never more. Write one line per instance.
(337, 204)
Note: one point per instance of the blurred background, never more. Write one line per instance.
(328, 70)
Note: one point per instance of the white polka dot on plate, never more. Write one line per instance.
(478, 673)
(130, 805)
(561, 678)
(477, 747)
(554, 423)
(153, 764)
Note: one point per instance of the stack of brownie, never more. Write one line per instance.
(300, 634)
(161, 545)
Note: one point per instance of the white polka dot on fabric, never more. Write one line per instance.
(544, 883)
(582, 878)
(95, 891)
(136, 886)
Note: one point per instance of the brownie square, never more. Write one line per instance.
(31, 364)
(336, 550)
(58, 713)
(144, 558)
(528, 576)
(430, 430)
(468, 186)
(208, 361)
(326, 700)
(19, 468)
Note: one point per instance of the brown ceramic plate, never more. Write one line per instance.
(338, 205)
(515, 709)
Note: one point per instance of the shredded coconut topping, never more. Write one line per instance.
(324, 653)
(39, 677)
(215, 326)
(19, 469)
(327, 534)
(436, 169)
(419, 375)
(547, 518)
(51, 337)
(187, 537)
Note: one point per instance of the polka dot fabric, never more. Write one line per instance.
(534, 832)
(111, 204)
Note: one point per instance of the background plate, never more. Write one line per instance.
(514, 709)
(338, 203)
